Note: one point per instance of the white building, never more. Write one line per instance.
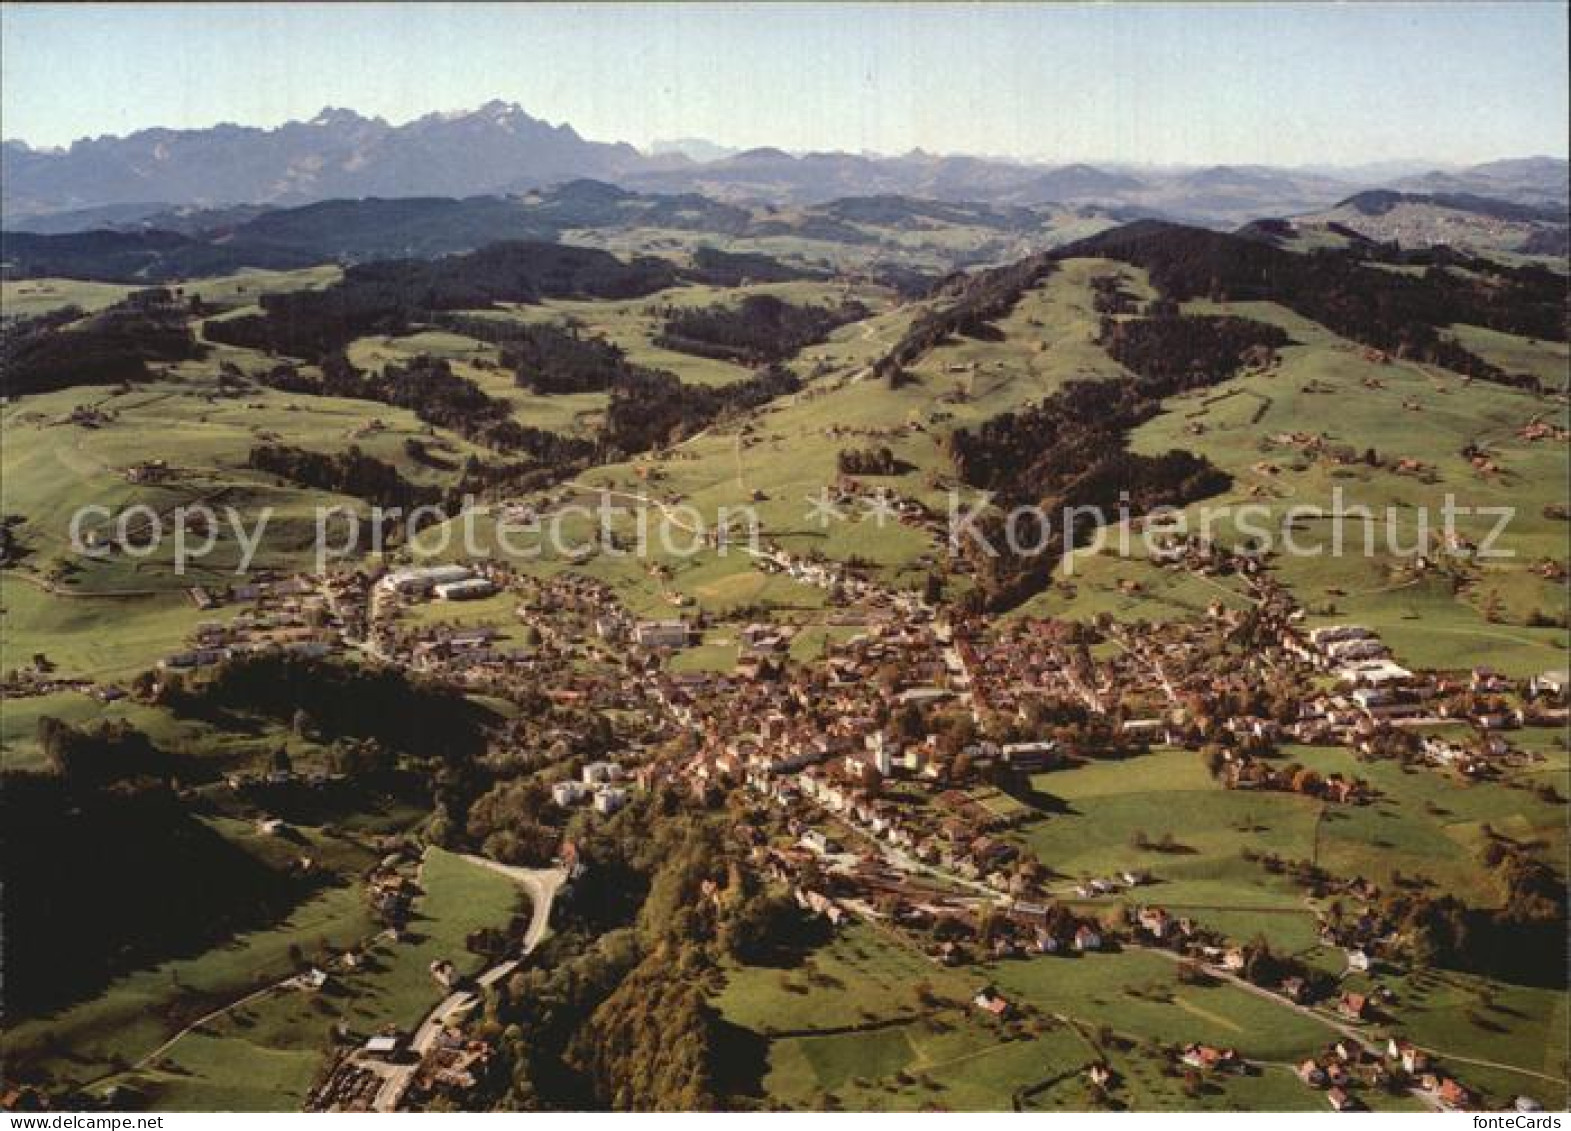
(420, 580)
(1327, 635)
(609, 798)
(661, 633)
(596, 773)
(566, 793)
(469, 589)
(882, 752)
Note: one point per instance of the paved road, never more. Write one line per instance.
(542, 884)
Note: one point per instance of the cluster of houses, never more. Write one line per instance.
(351, 1085)
(837, 578)
(39, 678)
(455, 1064)
(392, 889)
(1346, 1065)
(290, 613)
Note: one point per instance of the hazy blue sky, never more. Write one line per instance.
(1173, 83)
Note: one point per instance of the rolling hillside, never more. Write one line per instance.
(538, 375)
(1458, 220)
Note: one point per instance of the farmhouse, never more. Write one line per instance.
(1341, 1100)
(989, 1000)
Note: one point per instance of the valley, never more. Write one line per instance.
(848, 812)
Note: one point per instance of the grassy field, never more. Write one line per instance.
(1466, 1016)
(848, 1029)
(265, 1054)
(117, 614)
(1550, 362)
(138, 1012)
(498, 613)
(19, 723)
(28, 298)
(1469, 614)
(53, 469)
(1107, 806)
(935, 247)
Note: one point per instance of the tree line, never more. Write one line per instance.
(757, 330)
(1403, 314)
(62, 350)
(390, 296)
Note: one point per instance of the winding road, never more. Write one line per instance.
(542, 885)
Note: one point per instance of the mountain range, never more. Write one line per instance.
(500, 149)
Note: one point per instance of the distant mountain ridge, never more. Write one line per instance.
(500, 149)
(1527, 180)
(496, 148)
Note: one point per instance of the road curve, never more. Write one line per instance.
(542, 885)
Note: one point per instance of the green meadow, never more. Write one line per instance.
(266, 1053)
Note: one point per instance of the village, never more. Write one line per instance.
(899, 763)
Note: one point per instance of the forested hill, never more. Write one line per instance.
(386, 297)
(181, 244)
(1402, 313)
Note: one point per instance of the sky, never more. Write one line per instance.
(1159, 84)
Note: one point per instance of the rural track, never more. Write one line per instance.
(83, 595)
(1350, 1031)
(665, 508)
(255, 995)
(1560, 1081)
